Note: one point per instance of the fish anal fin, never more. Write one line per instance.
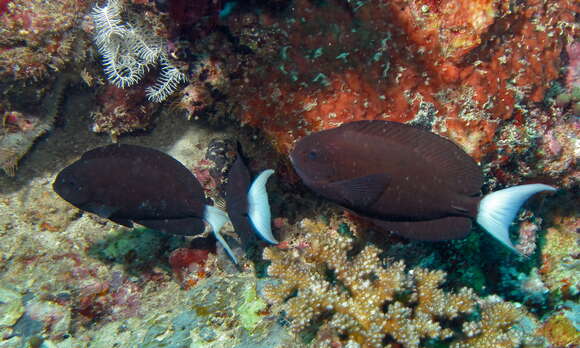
(102, 210)
(362, 191)
(452, 227)
(184, 227)
(122, 221)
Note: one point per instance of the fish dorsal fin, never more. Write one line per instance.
(236, 194)
(362, 191)
(107, 151)
(125, 151)
(460, 170)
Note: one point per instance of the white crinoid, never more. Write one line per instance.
(128, 51)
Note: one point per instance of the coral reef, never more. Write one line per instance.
(362, 300)
(502, 324)
(423, 62)
(499, 78)
(201, 97)
(122, 111)
(561, 329)
(560, 258)
(37, 37)
(190, 265)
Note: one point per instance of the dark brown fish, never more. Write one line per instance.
(408, 180)
(236, 195)
(129, 183)
(247, 203)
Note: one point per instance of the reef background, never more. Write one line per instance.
(500, 78)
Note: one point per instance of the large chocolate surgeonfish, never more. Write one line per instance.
(408, 180)
(130, 183)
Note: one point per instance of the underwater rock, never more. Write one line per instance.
(53, 316)
(37, 37)
(15, 142)
(11, 307)
(223, 312)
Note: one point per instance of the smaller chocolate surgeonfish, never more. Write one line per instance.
(407, 180)
(130, 183)
(247, 203)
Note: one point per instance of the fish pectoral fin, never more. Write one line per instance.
(121, 221)
(362, 191)
(460, 209)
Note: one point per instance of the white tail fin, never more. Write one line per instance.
(217, 218)
(498, 209)
(259, 207)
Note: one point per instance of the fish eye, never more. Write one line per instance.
(312, 154)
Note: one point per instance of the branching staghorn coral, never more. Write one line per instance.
(373, 304)
(129, 51)
(497, 326)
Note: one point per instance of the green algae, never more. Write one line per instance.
(344, 230)
(136, 248)
(250, 308)
(11, 306)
